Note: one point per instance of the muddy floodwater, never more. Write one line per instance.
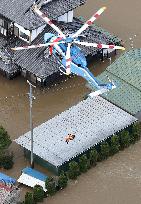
(115, 181)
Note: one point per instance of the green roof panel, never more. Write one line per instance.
(126, 73)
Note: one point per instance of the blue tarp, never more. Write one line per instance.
(34, 173)
(6, 179)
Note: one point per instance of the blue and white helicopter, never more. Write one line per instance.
(71, 56)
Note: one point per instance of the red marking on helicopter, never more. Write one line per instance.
(111, 46)
(54, 41)
(96, 15)
(99, 46)
(89, 22)
(69, 60)
(50, 22)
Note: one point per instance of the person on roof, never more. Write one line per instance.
(69, 137)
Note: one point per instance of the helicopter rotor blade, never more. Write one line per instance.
(89, 22)
(35, 46)
(100, 45)
(68, 59)
(47, 20)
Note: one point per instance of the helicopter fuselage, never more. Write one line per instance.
(76, 54)
(78, 62)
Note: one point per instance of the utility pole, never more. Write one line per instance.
(31, 97)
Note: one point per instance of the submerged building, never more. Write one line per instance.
(9, 193)
(91, 121)
(19, 26)
(126, 73)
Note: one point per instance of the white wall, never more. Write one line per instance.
(27, 32)
(67, 17)
(36, 32)
(23, 30)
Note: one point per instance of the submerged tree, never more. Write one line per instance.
(63, 180)
(29, 198)
(74, 170)
(93, 156)
(104, 150)
(50, 186)
(6, 159)
(115, 145)
(135, 132)
(124, 139)
(83, 163)
(38, 193)
(4, 139)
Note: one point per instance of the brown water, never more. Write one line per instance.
(116, 181)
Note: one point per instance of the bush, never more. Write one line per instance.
(4, 139)
(93, 157)
(135, 132)
(7, 160)
(38, 193)
(63, 180)
(73, 170)
(124, 139)
(115, 146)
(50, 186)
(83, 163)
(29, 198)
(88, 164)
(104, 150)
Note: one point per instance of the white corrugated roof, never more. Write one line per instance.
(92, 121)
(31, 181)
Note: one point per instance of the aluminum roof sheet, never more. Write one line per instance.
(92, 121)
(31, 181)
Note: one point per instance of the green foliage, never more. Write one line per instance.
(50, 186)
(124, 139)
(38, 193)
(88, 164)
(115, 146)
(83, 163)
(29, 198)
(93, 157)
(135, 132)
(63, 180)
(73, 170)
(4, 139)
(104, 150)
(6, 160)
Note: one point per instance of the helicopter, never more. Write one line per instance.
(73, 60)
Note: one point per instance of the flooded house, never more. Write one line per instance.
(20, 26)
(91, 121)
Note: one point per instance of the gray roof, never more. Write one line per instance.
(37, 61)
(91, 120)
(19, 11)
(6, 62)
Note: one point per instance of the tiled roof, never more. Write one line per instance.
(126, 72)
(91, 120)
(37, 62)
(19, 11)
